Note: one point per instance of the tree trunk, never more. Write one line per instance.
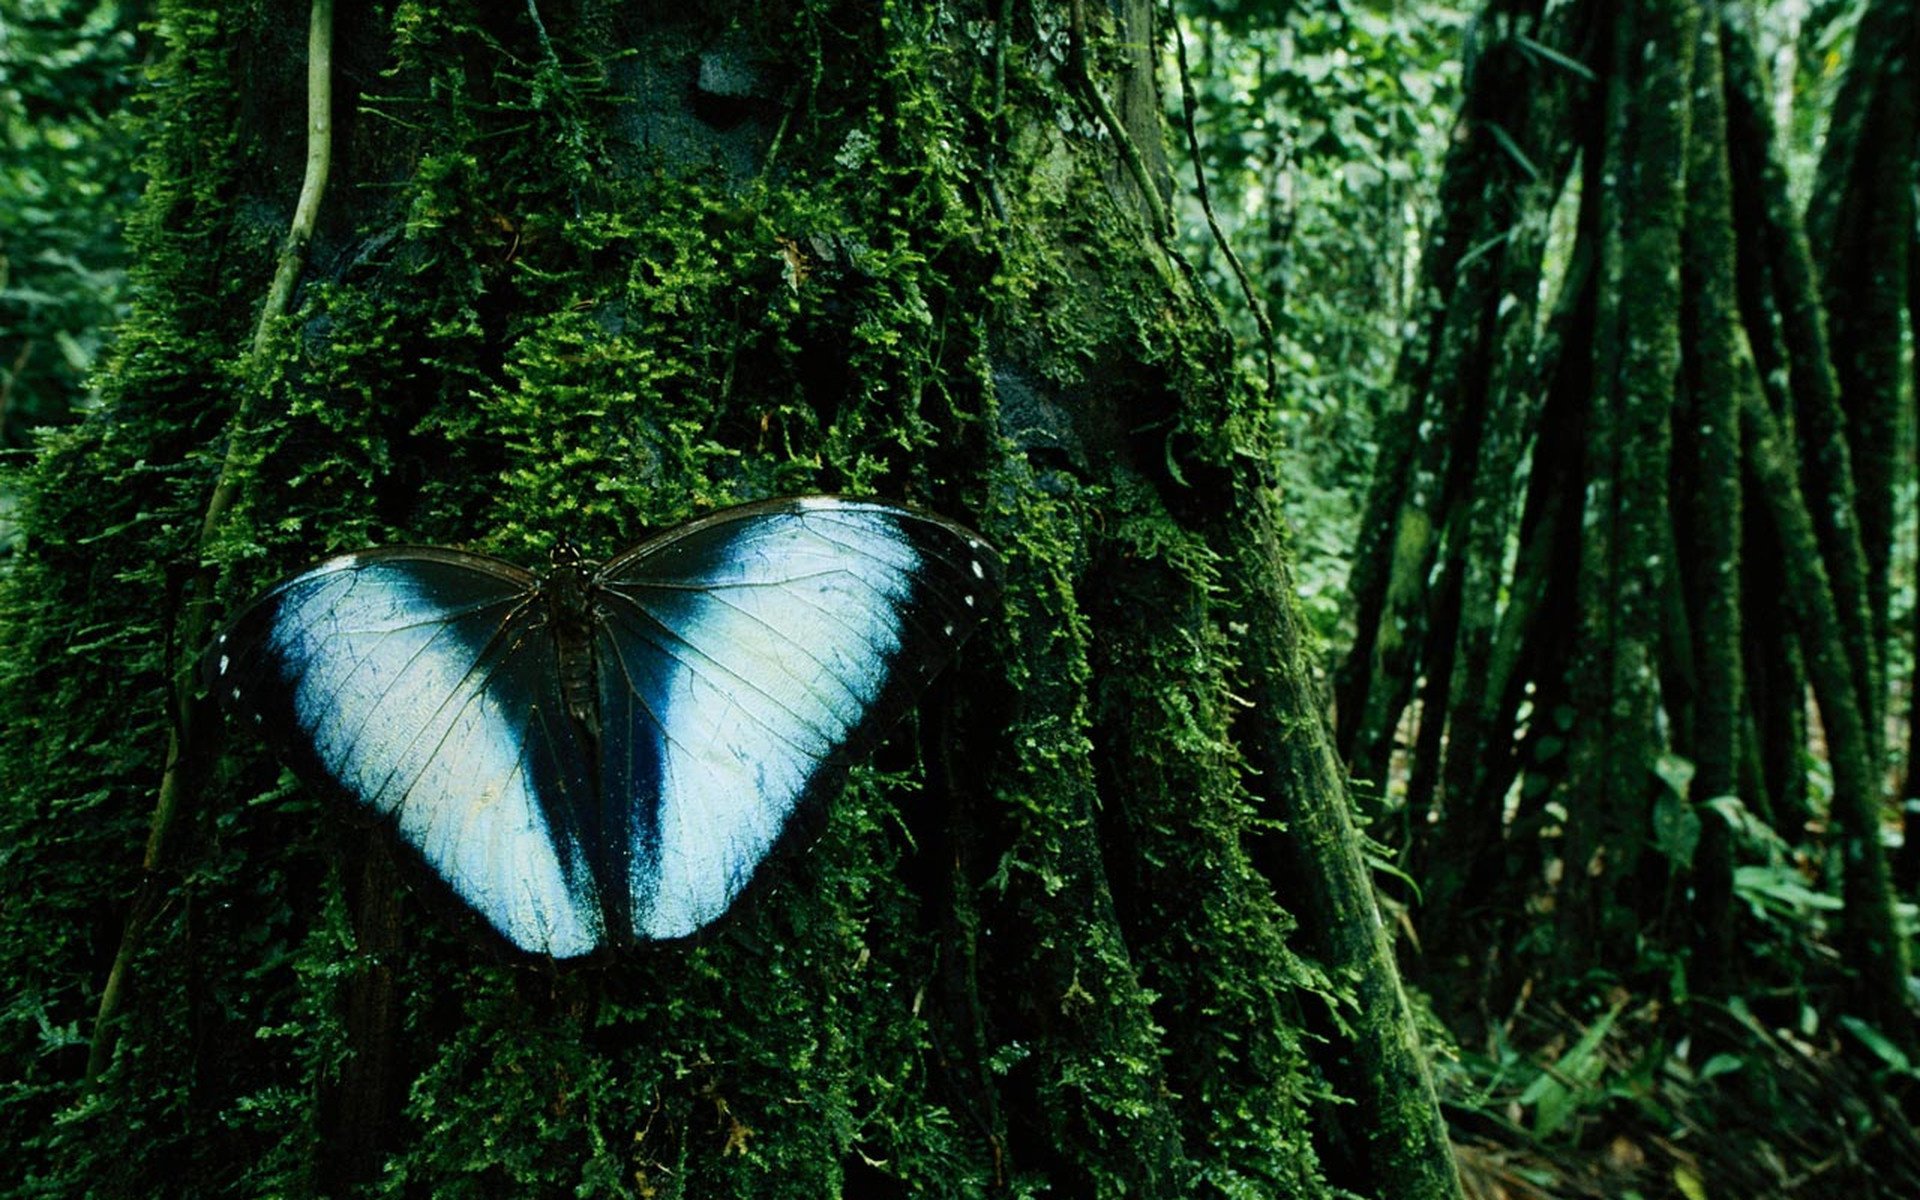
(581, 270)
(1599, 684)
(1625, 562)
(1708, 508)
(1860, 223)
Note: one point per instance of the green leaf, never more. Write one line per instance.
(1676, 829)
(1556, 1093)
(1676, 772)
(1879, 1043)
(1544, 51)
(1780, 889)
(1721, 1064)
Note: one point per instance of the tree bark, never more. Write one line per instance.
(1706, 482)
(584, 270)
(1624, 564)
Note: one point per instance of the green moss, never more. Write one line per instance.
(1032, 949)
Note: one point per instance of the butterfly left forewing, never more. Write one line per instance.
(753, 654)
(413, 682)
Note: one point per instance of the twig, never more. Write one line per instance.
(1190, 106)
(540, 32)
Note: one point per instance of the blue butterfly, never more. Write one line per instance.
(607, 754)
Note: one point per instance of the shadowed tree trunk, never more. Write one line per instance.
(1609, 552)
(584, 270)
(1860, 223)
(1860, 226)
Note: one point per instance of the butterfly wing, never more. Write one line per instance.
(744, 659)
(422, 684)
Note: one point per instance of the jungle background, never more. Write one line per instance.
(1584, 338)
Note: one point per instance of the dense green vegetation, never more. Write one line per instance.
(1638, 460)
(66, 184)
(1573, 340)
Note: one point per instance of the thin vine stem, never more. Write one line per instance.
(184, 745)
(1190, 106)
(1129, 152)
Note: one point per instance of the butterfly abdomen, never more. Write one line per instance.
(567, 595)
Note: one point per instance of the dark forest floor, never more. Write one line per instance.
(1768, 1114)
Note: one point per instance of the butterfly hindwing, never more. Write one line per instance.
(776, 642)
(417, 683)
(597, 758)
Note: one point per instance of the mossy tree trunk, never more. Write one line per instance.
(1860, 223)
(584, 269)
(1860, 228)
(1613, 548)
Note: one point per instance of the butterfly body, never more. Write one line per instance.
(607, 754)
(571, 611)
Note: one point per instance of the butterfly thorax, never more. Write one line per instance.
(568, 592)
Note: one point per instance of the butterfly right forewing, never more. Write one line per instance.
(755, 653)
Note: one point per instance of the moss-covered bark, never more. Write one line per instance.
(1625, 557)
(1707, 494)
(1879, 952)
(1859, 225)
(1398, 1145)
(584, 271)
(1819, 424)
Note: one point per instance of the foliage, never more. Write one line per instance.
(1602, 1101)
(1806, 45)
(1321, 129)
(66, 183)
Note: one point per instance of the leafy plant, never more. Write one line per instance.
(1320, 131)
(66, 182)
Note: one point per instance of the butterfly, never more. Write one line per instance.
(606, 754)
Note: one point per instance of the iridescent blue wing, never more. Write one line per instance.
(423, 685)
(744, 660)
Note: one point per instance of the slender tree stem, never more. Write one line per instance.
(1876, 949)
